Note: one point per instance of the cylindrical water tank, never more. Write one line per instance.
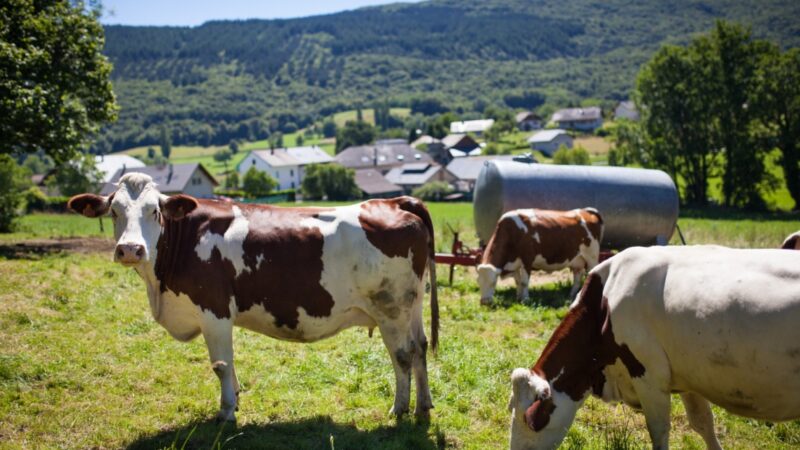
(639, 206)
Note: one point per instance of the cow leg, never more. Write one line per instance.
(218, 334)
(576, 282)
(656, 406)
(522, 277)
(420, 366)
(698, 411)
(397, 338)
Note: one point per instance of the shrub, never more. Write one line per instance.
(435, 190)
(13, 180)
(572, 156)
(330, 180)
(257, 183)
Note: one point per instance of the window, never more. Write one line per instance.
(277, 174)
(292, 184)
(291, 173)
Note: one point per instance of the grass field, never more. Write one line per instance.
(84, 365)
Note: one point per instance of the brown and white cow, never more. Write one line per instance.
(536, 239)
(654, 321)
(792, 242)
(298, 274)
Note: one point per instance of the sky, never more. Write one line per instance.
(196, 12)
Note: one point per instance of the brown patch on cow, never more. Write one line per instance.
(583, 345)
(287, 278)
(394, 231)
(792, 242)
(560, 233)
(537, 416)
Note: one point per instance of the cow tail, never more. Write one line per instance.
(416, 207)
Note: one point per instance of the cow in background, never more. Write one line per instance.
(792, 242)
(296, 274)
(525, 240)
(654, 321)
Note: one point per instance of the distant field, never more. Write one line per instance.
(84, 365)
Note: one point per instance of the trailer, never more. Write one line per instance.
(639, 206)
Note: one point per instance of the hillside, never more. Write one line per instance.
(240, 79)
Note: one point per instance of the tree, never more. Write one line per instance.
(354, 133)
(76, 176)
(333, 181)
(778, 103)
(232, 180)
(223, 156)
(165, 141)
(427, 106)
(257, 183)
(54, 80)
(329, 129)
(300, 140)
(37, 164)
(13, 180)
(233, 146)
(151, 153)
(435, 190)
(577, 156)
(276, 140)
(628, 144)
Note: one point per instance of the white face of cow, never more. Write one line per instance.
(136, 210)
(540, 417)
(487, 280)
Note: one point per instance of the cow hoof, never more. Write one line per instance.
(423, 415)
(226, 418)
(399, 412)
(486, 302)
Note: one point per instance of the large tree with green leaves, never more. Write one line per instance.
(354, 133)
(330, 180)
(55, 90)
(13, 179)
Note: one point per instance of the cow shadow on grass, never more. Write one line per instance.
(549, 295)
(314, 433)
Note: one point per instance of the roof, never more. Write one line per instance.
(526, 115)
(371, 182)
(110, 164)
(380, 155)
(469, 168)
(425, 139)
(471, 126)
(413, 174)
(546, 136)
(578, 114)
(294, 156)
(170, 177)
(459, 141)
(456, 153)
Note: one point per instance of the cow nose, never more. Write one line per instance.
(129, 253)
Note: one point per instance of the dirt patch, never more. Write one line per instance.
(37, 248)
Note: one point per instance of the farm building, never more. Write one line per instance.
(285, 165)
(375, 185)
(382, 155)
(413, 175)
(528, 121)
(583, 119)
(476, 127)
(548, 141)
(109, 165)
(191, 179)
(626, 110)
(454, 146)
(466, 170)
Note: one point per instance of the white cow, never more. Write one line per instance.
(711, 323)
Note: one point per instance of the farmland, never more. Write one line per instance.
(84, 365)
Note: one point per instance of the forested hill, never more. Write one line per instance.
(239, 79)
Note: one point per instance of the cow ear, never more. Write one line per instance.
(178, 206)
(90, 205)
(538, 415)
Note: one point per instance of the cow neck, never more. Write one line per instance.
(583, 345)
(170, 246)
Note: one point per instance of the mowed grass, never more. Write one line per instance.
(84, 365)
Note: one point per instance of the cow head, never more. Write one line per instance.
(540, 415)
(137, 211)
(487, 279)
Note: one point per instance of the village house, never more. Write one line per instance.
(465, 171)
(583, 119)
(476, 127)
(109, 165)
(413, 175)
(190, 179)
(454, 146)
(626, 110)
(382, 156)
(548, 141)
(528, 121)
(374, 185)
(285, 165)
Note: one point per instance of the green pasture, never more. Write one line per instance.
(84, 365)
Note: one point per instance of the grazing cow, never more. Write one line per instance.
(535, 239)
(792, 242)
(654, 321)
(297, 274)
